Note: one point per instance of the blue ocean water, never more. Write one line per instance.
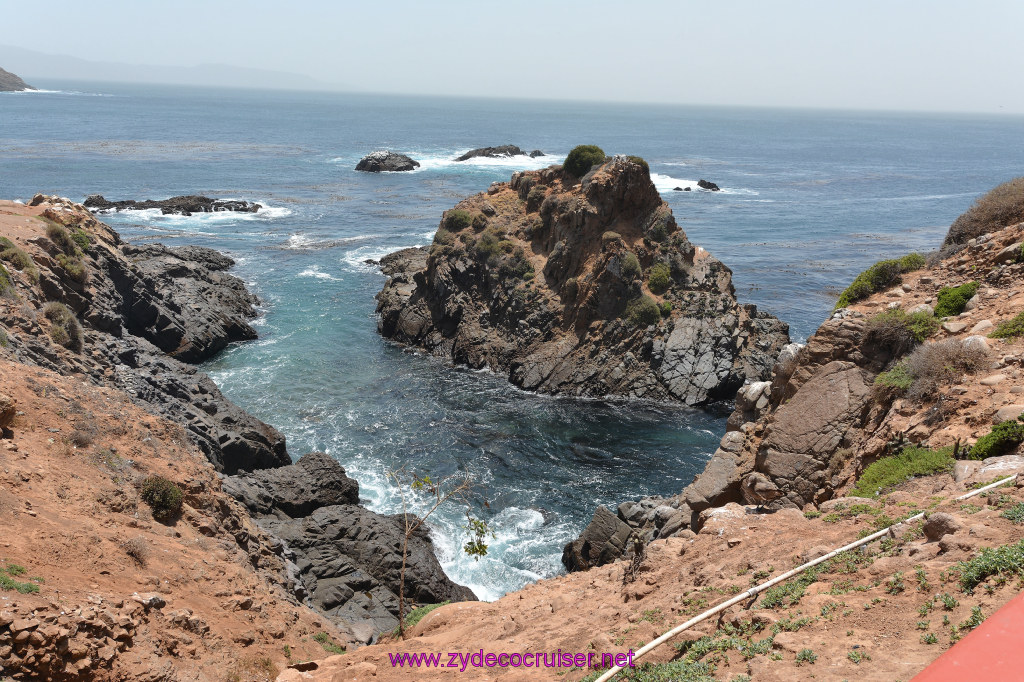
(809, 199)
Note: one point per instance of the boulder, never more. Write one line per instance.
(180, 205)
(294, 491)
(1008, 413)
(808, 429)
(8, 408)
(603, 541)
(705, 184)
(939, 525)
(386, 162)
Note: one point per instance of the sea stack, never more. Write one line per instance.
(580, 286)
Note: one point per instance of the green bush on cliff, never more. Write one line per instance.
(1009, 329)
(64, 327)
(1001, 440)
(659, 278)
(640, 162)
(952, 300)
(879, 276)
(457, 219)
(62, 238)
(899, 331)
(1002, 206)
(163, 496)
(82, 239)
(891, 471)
(18, 258)
(643, 311)
(630, 267)
(6, 286)
(479, 221)
(582, 158)
(666, 308)
(74, 267)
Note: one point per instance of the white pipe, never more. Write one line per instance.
(754, 591)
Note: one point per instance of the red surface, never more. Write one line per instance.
(993, 651)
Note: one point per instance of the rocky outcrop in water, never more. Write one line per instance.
(803, 438)
(12, 83)
(386, 162)
(710, 186)
(501, 152)
(181, 205)
(139, 315)
(346, 559)
(582, 288)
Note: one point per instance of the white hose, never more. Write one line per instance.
(754, 591)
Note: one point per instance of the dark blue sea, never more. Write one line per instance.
(809, 199)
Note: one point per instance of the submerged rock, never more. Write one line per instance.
(181, 205)
(386, 162)
(586, 289)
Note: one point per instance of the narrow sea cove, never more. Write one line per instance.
(809, 199)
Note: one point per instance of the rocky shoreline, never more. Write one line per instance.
(134, 318)
(579, 286)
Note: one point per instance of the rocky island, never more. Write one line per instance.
(579, 283)
(180, 205)
(12, 83)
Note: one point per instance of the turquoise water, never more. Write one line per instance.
(809, 200)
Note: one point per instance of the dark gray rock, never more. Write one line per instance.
(940, 524)
(386, 162)
(347, 560)
(536, 153)
(603, 541)
(296, 490)
(180, 205)
(500, 152)
(705, 184)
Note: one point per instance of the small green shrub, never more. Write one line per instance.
(630, 266)
(878, 277)
(18, 259)
(1002, 560)
(64, 327)
(582, 158)
(952, 300)
(806, 656)
(163, 496)
(488, 245)
(659, 278)
(6, 286)
(62, 238)
(82, 239)
(74, 267)
(536, 197)
(898, 379)
(1009, 329)
(891, 471)
(666, 308)
(640, 162)
(1002, 439)
(1015, 513)
(479, 222)
(643, 311)
(457, 219)
(444, 237)
(899, 331)
(417, 614)
(1002, 206)
(938, 364)
(8, 583)
(676, 671)
(328, 643)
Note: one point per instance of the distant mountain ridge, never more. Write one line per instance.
(40, 65)
(9, 82)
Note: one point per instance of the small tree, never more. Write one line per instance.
(457, 488)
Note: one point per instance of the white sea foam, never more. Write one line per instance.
(314, 271)
(301, 242)
(154, 215)
(445, 161)
(667, 183)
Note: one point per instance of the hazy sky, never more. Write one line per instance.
(937, 55)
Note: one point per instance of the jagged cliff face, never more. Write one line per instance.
(584, 288)
(143, 313)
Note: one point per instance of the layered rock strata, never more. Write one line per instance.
(583, 287)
